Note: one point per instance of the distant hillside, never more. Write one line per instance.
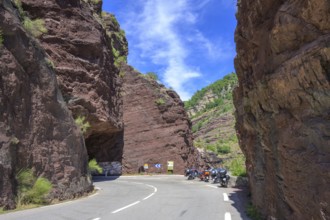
(218, 94)
(211, 111)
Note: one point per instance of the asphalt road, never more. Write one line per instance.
(146, 198)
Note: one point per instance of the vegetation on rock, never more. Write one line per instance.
(82, 123)
(94, 167)
(151, 75)
(222, 92)
(31, 190)
(211, 111)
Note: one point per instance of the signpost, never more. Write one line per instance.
(146, 166)
(170, 166)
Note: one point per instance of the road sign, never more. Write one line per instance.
(146, 166)
(158, 165)
(170, 165)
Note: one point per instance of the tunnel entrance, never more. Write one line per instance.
(107, 149)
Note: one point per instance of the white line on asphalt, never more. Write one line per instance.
(149, 196)
(155, 189)
(118, 210)
(225, 197)
(96, 218)
(212, 186)
(227, 216)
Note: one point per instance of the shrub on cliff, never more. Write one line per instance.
(31, 190)
(82, 124)
(237, 166)
(151, 75)
(94, 167)
(35, 27)
(160, 101)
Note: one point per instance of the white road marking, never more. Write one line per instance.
(137, 202)
(96, 218)
(225, 197)
(155, 189)
(118, 210)
(227, 216)
(149, 196)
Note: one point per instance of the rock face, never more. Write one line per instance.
(36, 128)
(283, 103)
(81, 46)
(157, 128)
(46, 82)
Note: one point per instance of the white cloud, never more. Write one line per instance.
(164, 32)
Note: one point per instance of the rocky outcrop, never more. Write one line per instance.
(67, 70)
(283, 102)
(157, 128)
(36, 128)
(81, 43)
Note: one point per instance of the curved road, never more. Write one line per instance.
(146, 198)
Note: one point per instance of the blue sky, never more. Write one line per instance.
(188, 43)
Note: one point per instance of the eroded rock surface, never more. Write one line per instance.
(283, 105)
(81, 45)
(157, 128)
(36, 128)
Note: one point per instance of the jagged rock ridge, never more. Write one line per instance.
(283, 102)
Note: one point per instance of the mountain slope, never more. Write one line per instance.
(211, 112)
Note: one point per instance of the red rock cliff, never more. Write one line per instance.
(80, 44)
(283, 105)
(48, 81)
(36, 128)
(157, 128)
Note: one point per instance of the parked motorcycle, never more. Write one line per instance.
(223, 177)
(191, 173)
(204, 175)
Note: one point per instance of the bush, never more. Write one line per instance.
(237, 166)
(151, 75)
(82, 123)
(31, 190)
(35, 27)
(223, 149)
(94, 167)
(160, 101)
(18, 4)
(50, 63)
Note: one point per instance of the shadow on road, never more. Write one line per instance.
(104, 178)
(240, 198)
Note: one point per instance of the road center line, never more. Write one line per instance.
(227, 216)
(149, 196)
(118, 210)
(225, 197)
